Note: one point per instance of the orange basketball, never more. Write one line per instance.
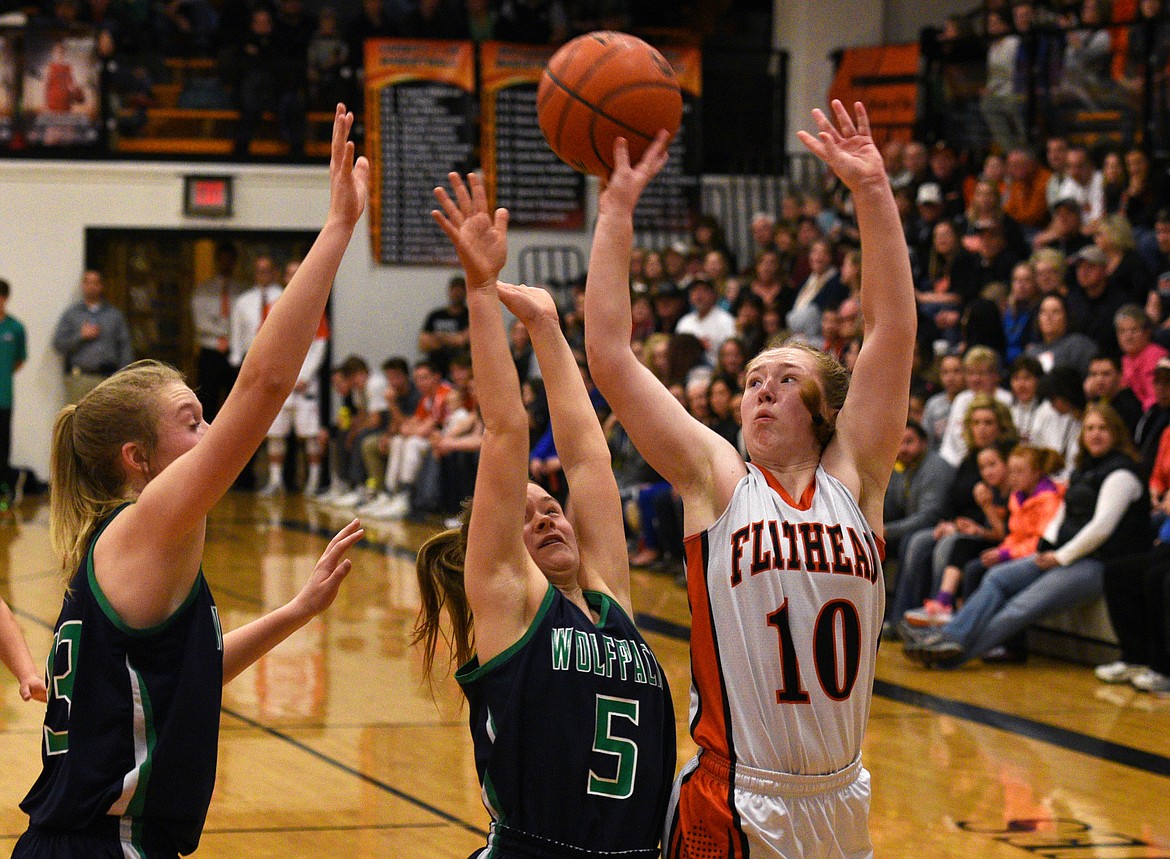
(601, 86)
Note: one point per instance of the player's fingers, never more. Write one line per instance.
(461, 195)
(448, 205)
(822, 121)
(339, 131)
(812, 144)
(862, 119)
(621, 153)
(844, 120)
(478, 193)
(501, 219)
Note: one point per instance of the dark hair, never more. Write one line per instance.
(226, 248)
(1112, 359)
(1029, 365)
(1066, 383)
(4, 288)
(353, 365)
(683, 353)
(917, 428)
(397, 362)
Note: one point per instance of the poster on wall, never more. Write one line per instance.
(672, 201)
(420, 125)
(61, 104)
(7, 86)
(520, 171)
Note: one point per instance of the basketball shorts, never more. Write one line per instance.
(100, 842)
(776, 815)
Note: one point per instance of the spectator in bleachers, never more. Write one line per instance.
(1001, 105)
(642, 316)
(1024, 192)
(939, 302)
(928, 213)
(917, 492)
(1019, 313)
(1039, 56)
(947, 173)
(1063, 388)
(1050, 270)
(1086, 72)
(445, 330)
(1106, 515)
(1056, 156)
(670, 305)
(717, 268)
(540, 22)
(1065, 233)
(982, 322)
(1092, 300)
(991, 261)
(1114, 180)
(1143, 196)
(981, 377)
(917, 164)
(1058, 346)
(1137, 596)
(986, 207)
(1139, 354)
(822, 288)
(1103, 384)
(263, 73)
(685, 359)
(937, 410)
(481, 20)
(763, 228)
(986, 422)
(328, 71)
(1155, 419)
(1034, 417)
(749, 323)
(1125, 270)
(653, 273)
(1084, 183)
(767, 282)
(408, 447)
(706, 320)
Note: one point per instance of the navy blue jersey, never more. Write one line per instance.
(137, 755)
(574, 735)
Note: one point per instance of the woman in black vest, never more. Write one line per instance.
(1106, 513)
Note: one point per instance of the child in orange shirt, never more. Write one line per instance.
(1035, 498)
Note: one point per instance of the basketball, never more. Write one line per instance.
(601, 86)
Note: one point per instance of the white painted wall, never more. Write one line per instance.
(45, 207)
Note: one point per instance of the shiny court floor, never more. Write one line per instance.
(336, 745)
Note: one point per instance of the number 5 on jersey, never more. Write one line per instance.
(621, 786)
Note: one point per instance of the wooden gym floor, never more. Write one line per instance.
(334, 746)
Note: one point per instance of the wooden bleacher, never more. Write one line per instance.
(171, 128)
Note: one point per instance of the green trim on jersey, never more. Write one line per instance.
(468, 673)
(108, 610)
(601, 601)
(138, 801)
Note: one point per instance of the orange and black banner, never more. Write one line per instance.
(420, 125)
(885, 79)
(672, 201)
(521, 172)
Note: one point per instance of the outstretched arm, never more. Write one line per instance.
(14, 654)
(703, 467)
(581, 447)
(161, 536)
(874, 415)
(243, 646)
(503, 585)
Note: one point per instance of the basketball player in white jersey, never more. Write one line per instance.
(783, 555)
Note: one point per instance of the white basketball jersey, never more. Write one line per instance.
(786, 608)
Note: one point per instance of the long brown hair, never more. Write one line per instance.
(439, 567)
(85, 465)
(1122, 440)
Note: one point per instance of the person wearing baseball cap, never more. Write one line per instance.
(1092, 301)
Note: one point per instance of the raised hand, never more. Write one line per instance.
(332, 568)
(349, 181)
(848, 148)
(480, 240)
(529, 304)
(627, 182)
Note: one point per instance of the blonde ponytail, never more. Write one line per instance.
(85, 470)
